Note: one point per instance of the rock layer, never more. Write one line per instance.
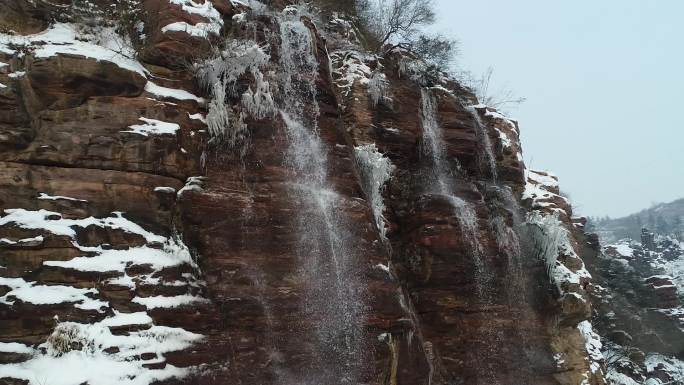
(100, 201)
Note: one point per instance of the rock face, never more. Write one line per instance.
(319, 216)
(639, 309)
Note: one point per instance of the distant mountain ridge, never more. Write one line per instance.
(663, 218)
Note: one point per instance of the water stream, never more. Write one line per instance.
(489, 167)
(504, 224)
(442, 179)
(326, 249)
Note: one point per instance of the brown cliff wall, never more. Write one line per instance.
(423, 306)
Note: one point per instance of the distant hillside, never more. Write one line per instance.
(663, 218)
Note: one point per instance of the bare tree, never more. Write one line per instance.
(499, 99)
(396, 21)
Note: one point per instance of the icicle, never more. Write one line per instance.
(375, 170)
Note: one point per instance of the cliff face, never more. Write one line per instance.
(318, 216)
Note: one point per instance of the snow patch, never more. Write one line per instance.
(63, 38)
(161, 301)
(193, 183)
(15, 347)
(54, 223)
(44, 196)
(197, 116)
(198, 30)
(153, 127)
(30, 292)
(62, 365)
(592, 343)
(165, 190)
(172, 93)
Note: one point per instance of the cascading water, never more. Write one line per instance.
(489, 340)
(507, 237)
(483, 137)
(441, 178)
(332, 289)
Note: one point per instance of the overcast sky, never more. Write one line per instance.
(604, 82)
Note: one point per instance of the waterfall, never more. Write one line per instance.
(299, 67)
(483, 137)
(441, 178)
(506, 236)
(326, 250)
(442, 182)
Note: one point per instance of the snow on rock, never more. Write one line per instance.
(165, 190)
(545, 179)
(499, 116)
(124, 319)
(63, 38)
(205, 9)
(53, 222)
(33, 240)
(503, 137)
(16, 74)
(61, 364)
(506, 128)
(15, 347)
(198, 116)
(44, 196)
(193, 183)
(240, 18)
(541, 188)
(211, 27)
(49, 294)
(118, 260)
(168, 302)
(623, 248)
(202, 30)
(592, 344)
(670, 365)
(153, 127)
(616, 378)
(172, 93)
(79, 353)
(350, 67)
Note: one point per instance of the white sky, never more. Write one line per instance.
(604, 82)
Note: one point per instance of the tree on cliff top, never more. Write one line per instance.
(390, 24)
(397, 20)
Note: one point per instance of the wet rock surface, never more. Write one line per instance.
(281, 261)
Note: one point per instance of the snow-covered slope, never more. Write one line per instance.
(639, 311)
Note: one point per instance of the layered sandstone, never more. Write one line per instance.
(115, 193)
